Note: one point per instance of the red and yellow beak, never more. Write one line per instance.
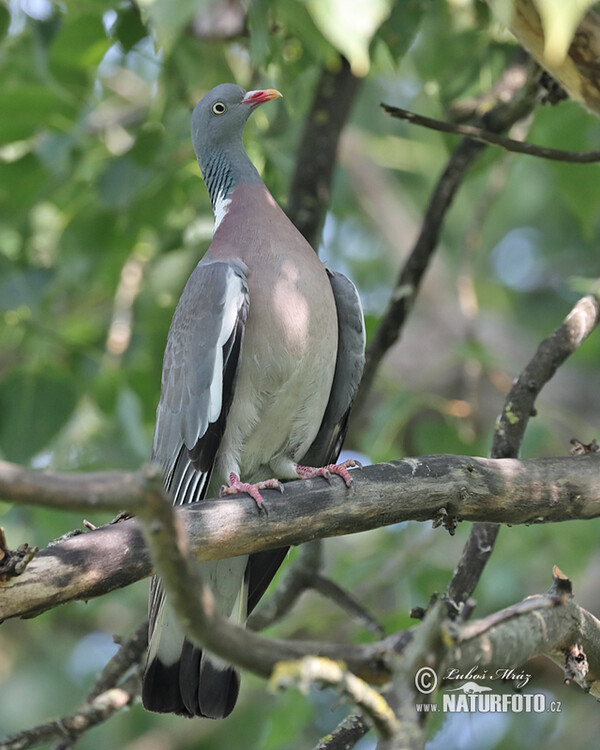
(260, 96)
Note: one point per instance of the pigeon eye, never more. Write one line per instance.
(218, 108)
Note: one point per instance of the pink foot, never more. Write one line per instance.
(308, 472)
(236, 486)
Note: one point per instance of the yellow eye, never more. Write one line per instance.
(218, 108)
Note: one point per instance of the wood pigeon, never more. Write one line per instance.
(263, 359)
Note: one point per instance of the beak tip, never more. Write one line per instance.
(261, 96)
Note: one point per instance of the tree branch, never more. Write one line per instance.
(89, 714)
(304, 574)
(102, 490)
(312, 670)
(548, 624)
(550, 355)
(515, 98)
(502, 491)
(193, 602)
(311, 184)
(345, 735)
(551, 625)
(510, 428)
(489, 137)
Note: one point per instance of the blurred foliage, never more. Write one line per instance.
(102, 217)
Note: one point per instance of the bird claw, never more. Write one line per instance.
(236, 486)
(308, 472)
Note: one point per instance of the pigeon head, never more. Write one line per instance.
(218, 123)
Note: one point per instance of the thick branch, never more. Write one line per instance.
(193, 602)
(538, 625)
(106, 490)
(551, 625)
(474, 489)
(311, 184)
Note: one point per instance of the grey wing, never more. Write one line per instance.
(348, 372)
(198, 380)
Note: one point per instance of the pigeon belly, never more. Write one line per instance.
(282, 389)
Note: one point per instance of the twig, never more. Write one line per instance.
(311, 184)
(553, 626)
(347, 602)
(293, 582)
(487, 136)
(312, 670)
(303, 575)
(14, 562)
(515, 100)
(128, 655)
(510, 428)
(474, 489)
(90, 714)
(106, 697)
(345, 735)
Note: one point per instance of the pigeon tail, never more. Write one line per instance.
(197, 684)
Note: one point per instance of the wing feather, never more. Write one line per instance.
(199, 369)
(349, 366)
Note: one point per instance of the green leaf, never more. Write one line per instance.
(258, 25)
(169, 18)
(350, 26)
(23, 287)
(4, 20)
(129, 28)
(400, 29)
(121, 181)
(560, 19)
(34, 405)
(78, 48)
(28, 109)
(20, 183)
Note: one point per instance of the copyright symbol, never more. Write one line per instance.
(426, 680)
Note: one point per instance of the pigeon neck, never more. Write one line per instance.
(222, 171)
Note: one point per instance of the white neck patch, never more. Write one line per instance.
(221, 209)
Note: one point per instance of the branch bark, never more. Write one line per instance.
(538, 625)
(510, 429)
(474, 489)
(495, 139)
(68, 728)
(311, 184)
